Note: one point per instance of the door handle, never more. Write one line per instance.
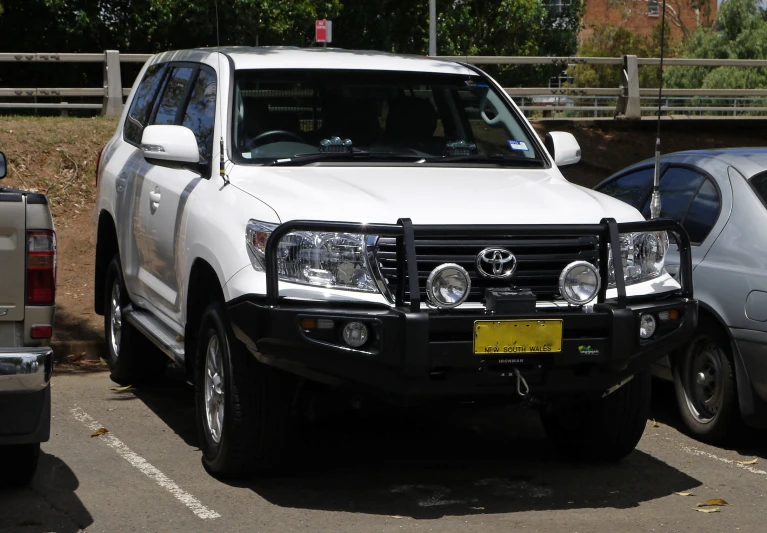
(120, 183)
(154, 197)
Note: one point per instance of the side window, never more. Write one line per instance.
(142, 104)
(690, 198)
(201, 111)
(760, 186)
(703, 212)
(173, 96)
(678, 187)
(630, 188)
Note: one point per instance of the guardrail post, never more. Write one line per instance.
(113, 87)
(628, 101)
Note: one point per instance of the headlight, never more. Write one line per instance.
(448, 286)
(643, 256)
(333, 260)
(579, 282)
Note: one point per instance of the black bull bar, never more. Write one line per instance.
(608, 231)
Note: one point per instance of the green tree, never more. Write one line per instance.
(609, 40)
(740, 33)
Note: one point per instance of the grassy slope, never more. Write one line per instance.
(57, 156)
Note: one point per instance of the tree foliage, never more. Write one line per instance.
(609, 40)
(465, 27)
(740, 33)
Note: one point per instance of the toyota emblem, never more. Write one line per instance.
(496, 263)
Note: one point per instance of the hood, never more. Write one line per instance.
(427, 195)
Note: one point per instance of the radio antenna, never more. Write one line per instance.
(655, 203)
(222, 163)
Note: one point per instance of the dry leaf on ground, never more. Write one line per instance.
(708, 510)
(751, 462)
(685, 493)
(99, 432)
(123, 389)
(713, 502)
(655, 424)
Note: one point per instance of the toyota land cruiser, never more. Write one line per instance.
(388, 225)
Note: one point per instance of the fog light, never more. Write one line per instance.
(355, 334)
(579, 282)
(646, 326)
(448, 286)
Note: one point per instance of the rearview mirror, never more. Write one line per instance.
(174, 144)
(2, 165)
(563, 147)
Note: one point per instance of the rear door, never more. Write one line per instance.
(12, 256)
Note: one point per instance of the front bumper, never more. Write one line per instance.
(430, 353)
(25, 395)
(418, 351)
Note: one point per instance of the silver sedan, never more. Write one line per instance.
(720, 197)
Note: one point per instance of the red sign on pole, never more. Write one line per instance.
(323, 31)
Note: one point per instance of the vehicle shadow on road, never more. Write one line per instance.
(48, 504)
(427, 463)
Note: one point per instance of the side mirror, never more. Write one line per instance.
(563, 147)
(2, 165)
(173, 144)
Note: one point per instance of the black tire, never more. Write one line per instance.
(131, 357)
(704, 382)
(257, 404)
(600, 429)
(21, 465)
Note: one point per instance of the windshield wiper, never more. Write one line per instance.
(305, 159)
(493, 159)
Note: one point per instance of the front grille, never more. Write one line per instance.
(539, 261)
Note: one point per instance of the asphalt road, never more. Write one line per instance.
(388, 471)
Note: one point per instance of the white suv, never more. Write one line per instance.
(276, 217)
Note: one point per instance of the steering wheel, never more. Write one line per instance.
(489, 121)
(276, 133)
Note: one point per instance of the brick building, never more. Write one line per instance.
(641, 16)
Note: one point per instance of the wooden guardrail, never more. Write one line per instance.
(627, 96)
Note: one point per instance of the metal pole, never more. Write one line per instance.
(432, 28)
(655, 202)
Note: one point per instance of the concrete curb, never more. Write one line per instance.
(71, 351)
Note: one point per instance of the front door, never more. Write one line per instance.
(188, 99)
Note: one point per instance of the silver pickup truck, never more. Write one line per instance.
(27, 296)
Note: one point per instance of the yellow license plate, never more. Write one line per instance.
(517, 336)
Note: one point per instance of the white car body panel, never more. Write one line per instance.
(211, 224)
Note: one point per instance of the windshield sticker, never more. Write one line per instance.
(518, 145)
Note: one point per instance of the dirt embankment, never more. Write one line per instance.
(57, 156)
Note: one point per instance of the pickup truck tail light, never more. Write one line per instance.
(41, 267)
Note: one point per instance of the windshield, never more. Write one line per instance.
(292, 114)
(760, 186)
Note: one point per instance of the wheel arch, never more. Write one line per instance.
(752, 409)
(106, 247)
(203, 287)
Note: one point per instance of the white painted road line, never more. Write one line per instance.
(146, 468)
(695, 451)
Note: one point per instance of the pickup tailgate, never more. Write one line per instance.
(12, 256)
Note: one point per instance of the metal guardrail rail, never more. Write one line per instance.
(112, 92)
(623, 101)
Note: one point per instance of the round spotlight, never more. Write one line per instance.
(579, 282)
(647, 326)
(448, 286)
(355, 334)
